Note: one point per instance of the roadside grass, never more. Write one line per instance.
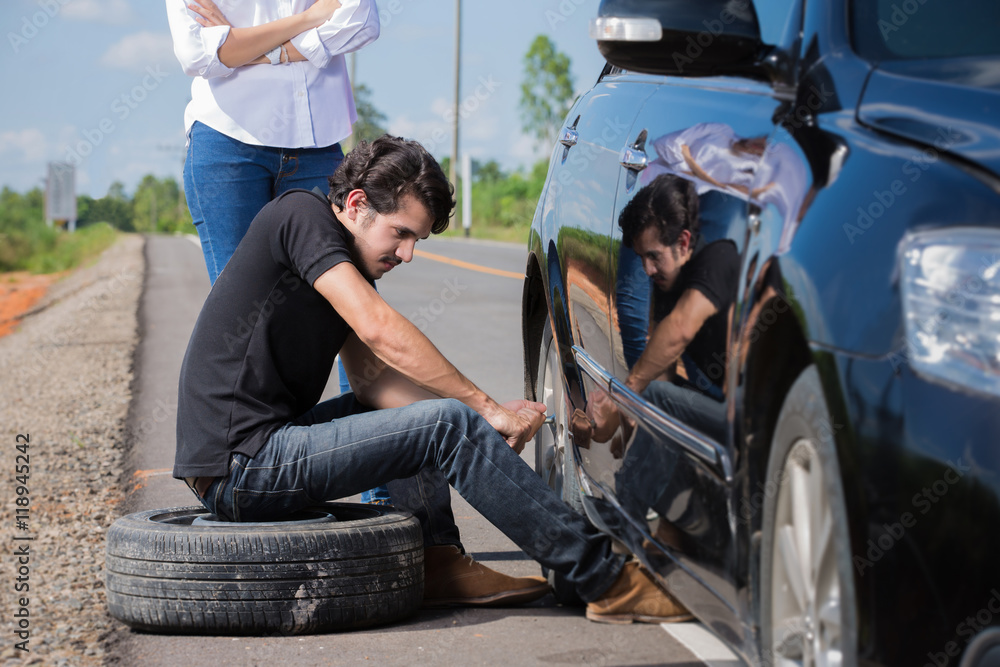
(517, 234)
(53, 251)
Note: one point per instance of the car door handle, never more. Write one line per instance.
(569, 137)
(633, 159)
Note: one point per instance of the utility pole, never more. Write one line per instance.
(453, 167)
(349, 142)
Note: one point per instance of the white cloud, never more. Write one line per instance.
(28, 144)
(82, 181)
(440, 107)
(433, 133)
(115, 12)
(525, 151)
(138, 51)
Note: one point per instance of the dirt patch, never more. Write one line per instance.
(20, 291)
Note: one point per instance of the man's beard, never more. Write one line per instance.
(356, 257)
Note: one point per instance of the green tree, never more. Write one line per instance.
(488, 172)
(22, 227)
(371, 122)
(159, 206)
(546, 92)
(116, 191)
(115, 211)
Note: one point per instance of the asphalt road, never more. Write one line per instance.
(473, 316)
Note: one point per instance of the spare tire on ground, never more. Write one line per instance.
(337, 566)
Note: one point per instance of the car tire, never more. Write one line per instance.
(553, 449)
(337, 566)
(808, 602)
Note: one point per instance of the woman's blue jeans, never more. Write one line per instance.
(227, 182)
(340, 448)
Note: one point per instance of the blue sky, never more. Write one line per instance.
(96, 81)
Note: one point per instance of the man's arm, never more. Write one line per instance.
(670, 338)
(380, 386)
(375, 383)
(396, 341)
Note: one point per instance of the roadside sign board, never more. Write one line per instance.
(60, 193)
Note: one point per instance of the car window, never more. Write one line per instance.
(907, 29)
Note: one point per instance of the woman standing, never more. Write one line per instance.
(270, 102)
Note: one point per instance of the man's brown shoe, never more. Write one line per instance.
(454, 578)
(636, 597)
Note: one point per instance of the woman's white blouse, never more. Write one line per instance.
(292, 105)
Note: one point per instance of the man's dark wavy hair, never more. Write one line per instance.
(388, 169)
(669, 203)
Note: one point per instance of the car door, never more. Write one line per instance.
(579, 203)
(668, 470)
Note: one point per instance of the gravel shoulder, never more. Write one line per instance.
(65, 382)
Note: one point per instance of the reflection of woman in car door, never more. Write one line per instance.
(715, 158)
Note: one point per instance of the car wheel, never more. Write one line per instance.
(334, 567)
(553, 453)
(808, 611)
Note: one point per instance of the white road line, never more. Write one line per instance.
(193, 239)
(707, 647)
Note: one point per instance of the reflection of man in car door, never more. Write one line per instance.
(695, 285)
(694, 289)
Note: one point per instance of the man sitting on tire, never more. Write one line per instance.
(254, 445)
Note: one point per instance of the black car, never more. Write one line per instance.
(820, 481)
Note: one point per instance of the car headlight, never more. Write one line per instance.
(950, 281)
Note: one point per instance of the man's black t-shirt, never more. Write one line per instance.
(265, 341)
(713, 270)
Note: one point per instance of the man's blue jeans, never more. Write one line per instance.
(227, 182)
(339, 448)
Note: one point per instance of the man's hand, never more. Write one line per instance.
(517, 421)
(603, 414)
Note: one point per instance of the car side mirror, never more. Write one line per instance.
(680, 37)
